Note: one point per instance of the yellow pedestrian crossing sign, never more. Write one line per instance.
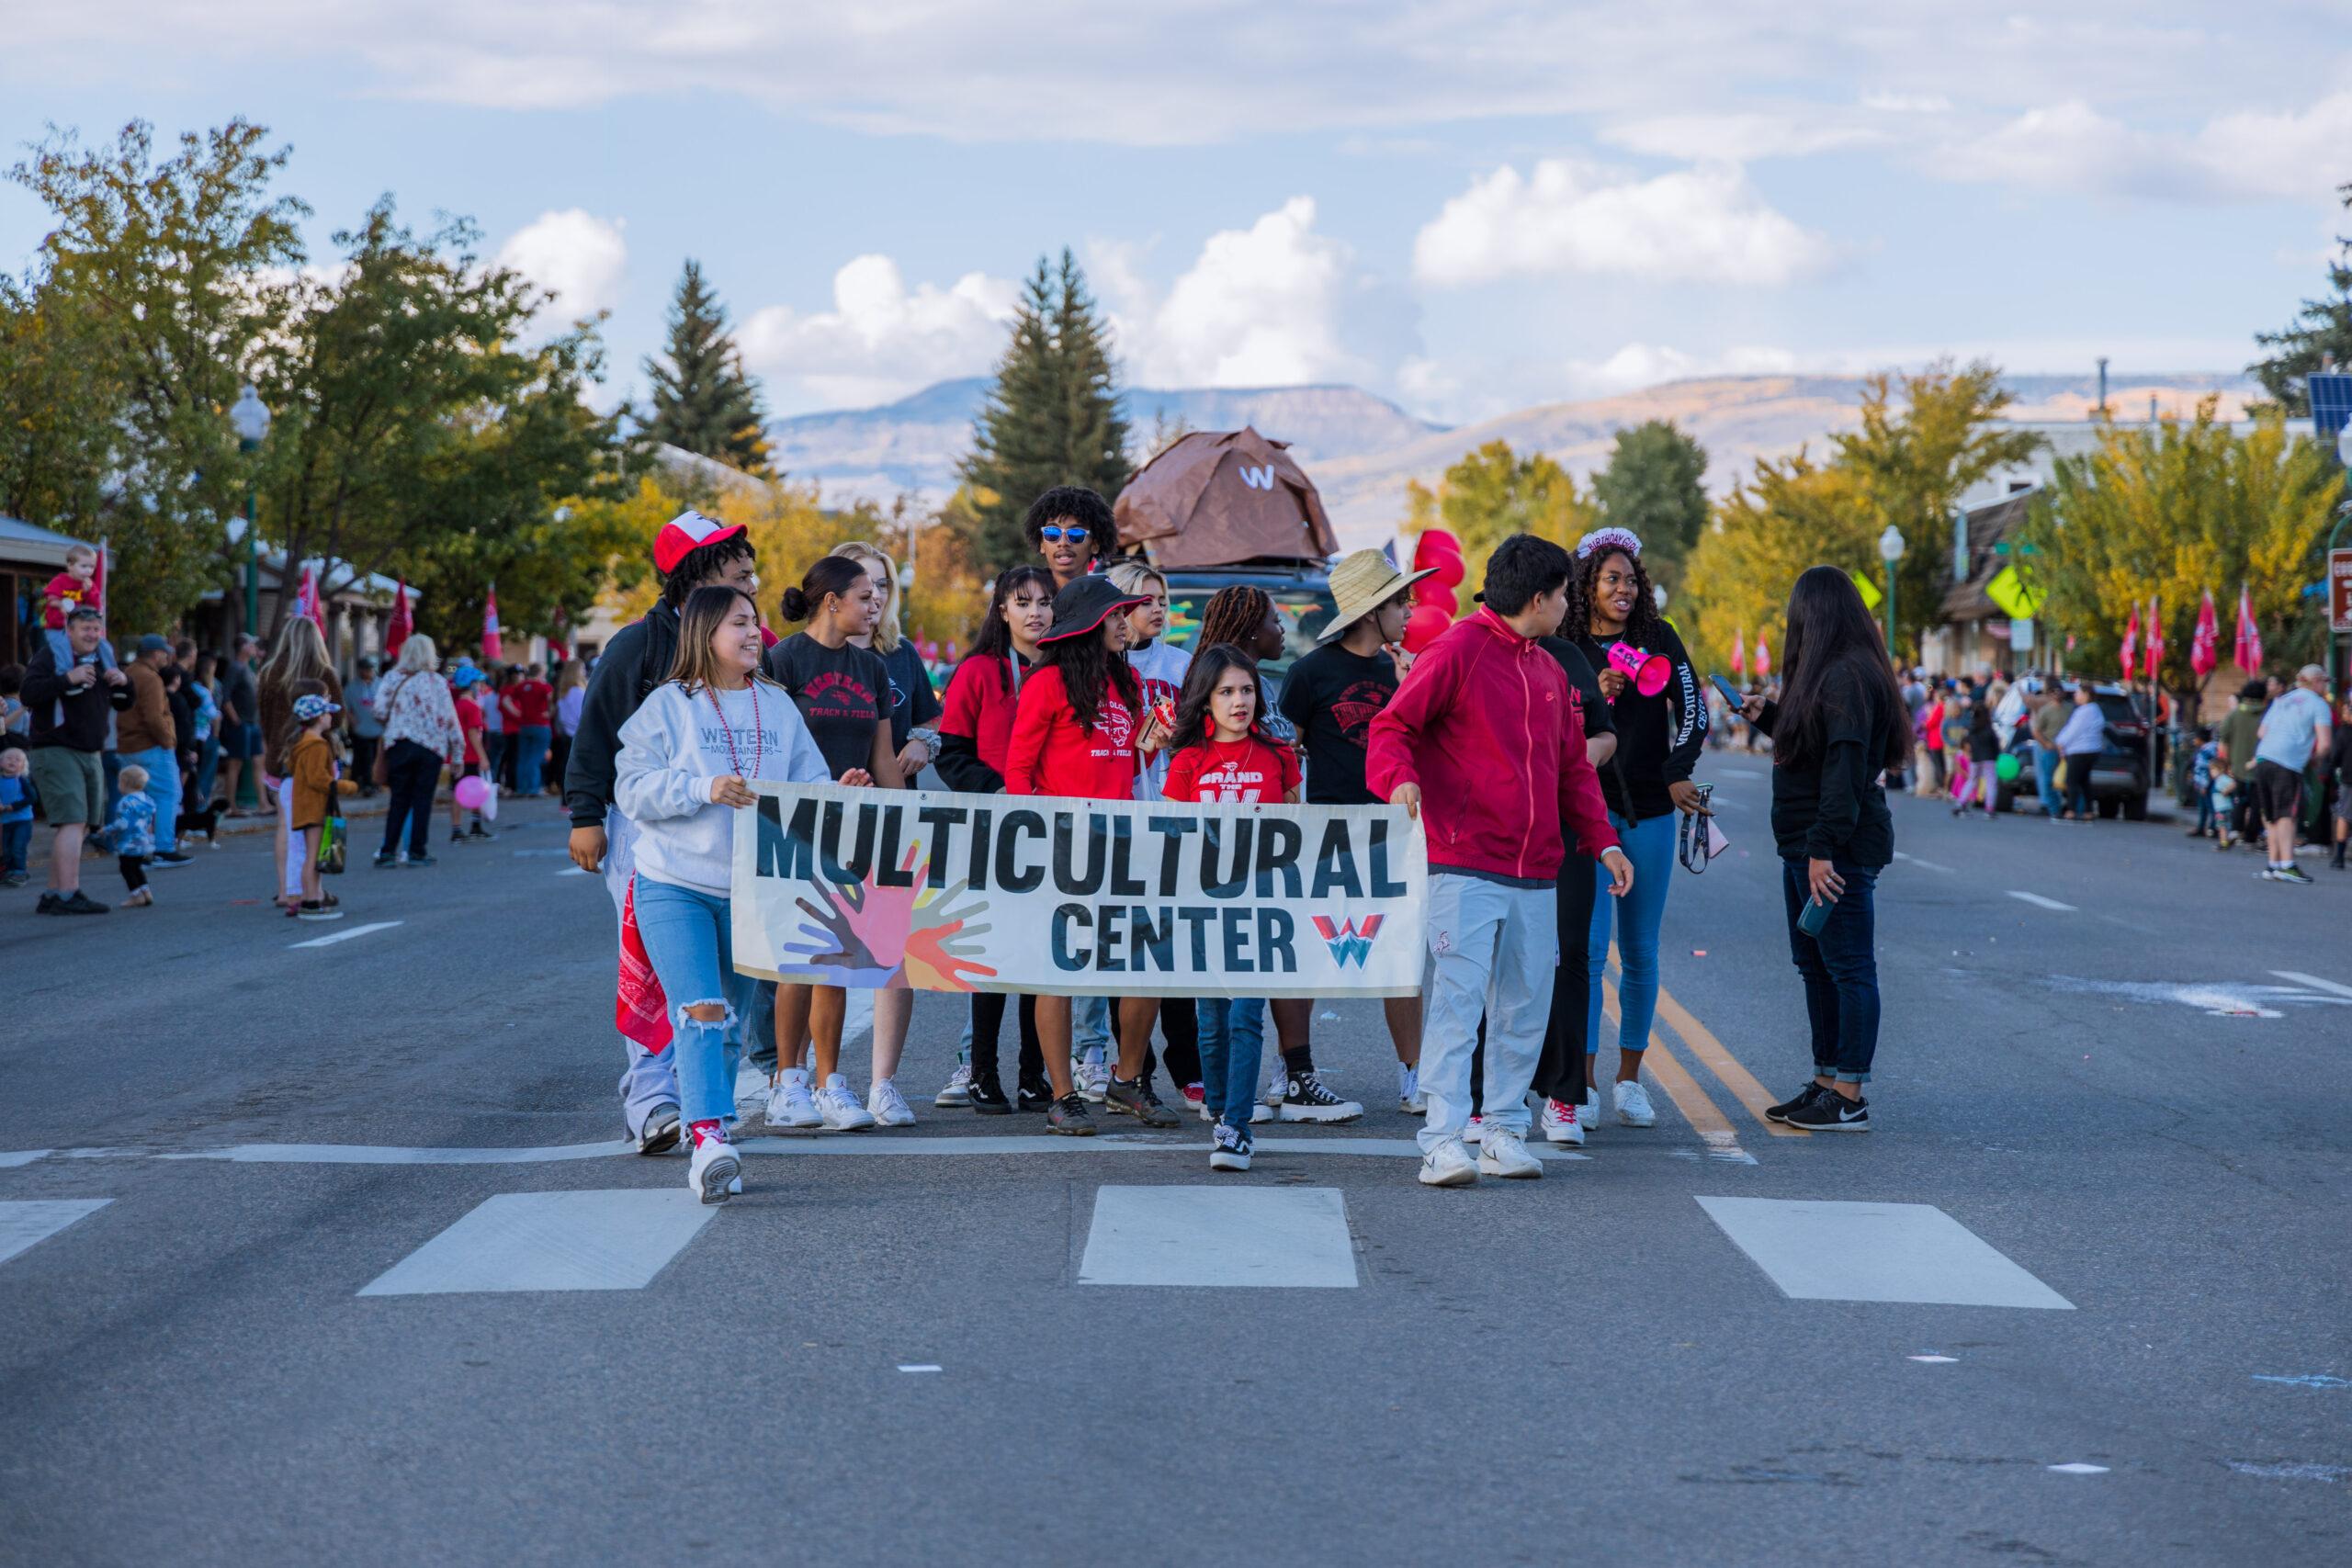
(2012, 592)
(1871, 595)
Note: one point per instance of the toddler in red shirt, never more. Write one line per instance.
(1222, 753)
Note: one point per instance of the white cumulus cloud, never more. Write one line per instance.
(881, 340)
(1703, 224)
(575, 256)
(2243, 155)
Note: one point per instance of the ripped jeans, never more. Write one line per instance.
(686, 936)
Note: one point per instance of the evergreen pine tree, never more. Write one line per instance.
(1051, 419)
(2318, 338)
(703, 400)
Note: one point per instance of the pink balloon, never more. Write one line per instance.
(1428, 624)
(470, 794)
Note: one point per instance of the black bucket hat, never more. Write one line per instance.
(1085, 604)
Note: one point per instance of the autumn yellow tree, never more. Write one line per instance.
(2170, 513)
(1793, 513)
(1493, 493)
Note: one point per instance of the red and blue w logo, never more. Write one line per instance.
(1348, 944)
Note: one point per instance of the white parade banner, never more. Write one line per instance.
(1053, 896)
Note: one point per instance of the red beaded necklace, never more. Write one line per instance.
(727, 730)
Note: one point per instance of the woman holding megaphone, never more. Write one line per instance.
(1660, 719)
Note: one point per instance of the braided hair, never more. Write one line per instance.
(1234, 615)
(1641, 625)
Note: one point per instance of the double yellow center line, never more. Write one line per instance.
(1697, 1108)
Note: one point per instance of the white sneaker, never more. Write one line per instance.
(1449, 1165)
(888, 1106)
(1633, 1104)
(1092, 1075)
(1504, 1154)
(714, 1173)
(839, 1108)
(1277, 1079)
(1561, 1125)
(1408, 1091)
(790, 1104)
(958, 1091)
(1589, 1116)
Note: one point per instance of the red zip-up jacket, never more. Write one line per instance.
(1485, 724)
(1049, 755)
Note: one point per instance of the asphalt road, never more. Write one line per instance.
(2127, 1116)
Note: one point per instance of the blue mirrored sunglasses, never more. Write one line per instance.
(1052, 534)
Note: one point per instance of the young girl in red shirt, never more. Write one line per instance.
(1075, 733)
(1224, 755)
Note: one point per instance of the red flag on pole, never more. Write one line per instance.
(560, 644)
(492, 649)
(98, 577)
(2130, 651)
(2205, 642)
(1739, 652)
(2249, 650)
(402, 622)
(2155, 636)
(1763, 658)
(306, 599)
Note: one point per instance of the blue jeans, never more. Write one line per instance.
(688, 937)
(1089, 1025)
(1840, 971)
(208, 768)
(1650, 846)
(164, 788)
(2045, 778)
(16, 844)
(533, 739)
(1233, 1041)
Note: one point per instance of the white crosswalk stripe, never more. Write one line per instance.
(1875, 1252)
(1219, 1236)
(25, 1224)
(552, 1241)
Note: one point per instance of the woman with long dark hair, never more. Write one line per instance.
(975, 738)
(842, 694)
(1660, 733)
(1074, 734)
(1838, 725)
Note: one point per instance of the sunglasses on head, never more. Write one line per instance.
(1053, 534)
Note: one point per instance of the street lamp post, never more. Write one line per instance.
(249, 417)
(1890, 550)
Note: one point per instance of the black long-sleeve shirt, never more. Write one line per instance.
(635, 661)
(1832, 806)
(64, 715)
(1658, 737)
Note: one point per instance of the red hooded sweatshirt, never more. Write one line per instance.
(1486, 726)
(1049, 755)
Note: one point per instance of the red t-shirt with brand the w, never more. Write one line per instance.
(1245, 769)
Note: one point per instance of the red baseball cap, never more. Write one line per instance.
(689, 530)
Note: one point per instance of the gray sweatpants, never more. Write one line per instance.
(1491, 949)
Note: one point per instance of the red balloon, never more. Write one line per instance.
(1433, 544)
(1433, 591)
(1445, 569)
(1428, 624)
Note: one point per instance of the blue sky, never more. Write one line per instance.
(1465, 205)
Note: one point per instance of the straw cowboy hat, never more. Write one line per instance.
(1360, 583)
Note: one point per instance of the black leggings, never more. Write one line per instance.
(1560, 1069)
(414, 772)
(134, 871)
(988, 1023)
(1179, 1025)
(2078, 781)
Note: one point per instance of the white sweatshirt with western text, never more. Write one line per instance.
(672, 750)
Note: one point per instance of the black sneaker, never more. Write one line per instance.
(1231, 1149)
(2291, 873)
(985, 1095)
(17, 879)
(50, 904)
(386, 860)
(1795, 1102)
(417, 863)
(456, 836)
(1830, 1112)
(1070, 1116)
(1305, 1100)
(1136, 1099)
(659, 1135)
(481, 833)
(1036, 1094)
(81, 904)
(170, 860)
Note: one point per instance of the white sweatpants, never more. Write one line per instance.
(1492, 948)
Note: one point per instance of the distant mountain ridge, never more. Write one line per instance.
(1361, 449)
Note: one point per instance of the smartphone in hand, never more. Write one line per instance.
(1731, 693)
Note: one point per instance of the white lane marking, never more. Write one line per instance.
(2217, 998)
(1739, 772)
(551, 1241)
(792, 1144)
(1922, 864)
(2077, 1468)
(549, 852)
(1294, 1237)
(1875, 1252)
(2038, 902)
(1936, 1361)
(347, 933)
(29, 1223)
(919, 1366)
(2313, 981)
(571, 870)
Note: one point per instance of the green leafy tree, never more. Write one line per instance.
(1654, 485)
(2320, 335)
(167, 273)
(703, 400)
(1792, 514)
(61, 401)
(2172, 512)
(1494, 492)
(1052, 418)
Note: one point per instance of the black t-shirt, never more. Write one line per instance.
(1332, 696)
(842, 693)
(240, 693)
(912, 702)
(1583, 681)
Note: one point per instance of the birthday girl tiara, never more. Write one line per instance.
(1609, 538)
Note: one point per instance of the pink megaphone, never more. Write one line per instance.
(1647, 672)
